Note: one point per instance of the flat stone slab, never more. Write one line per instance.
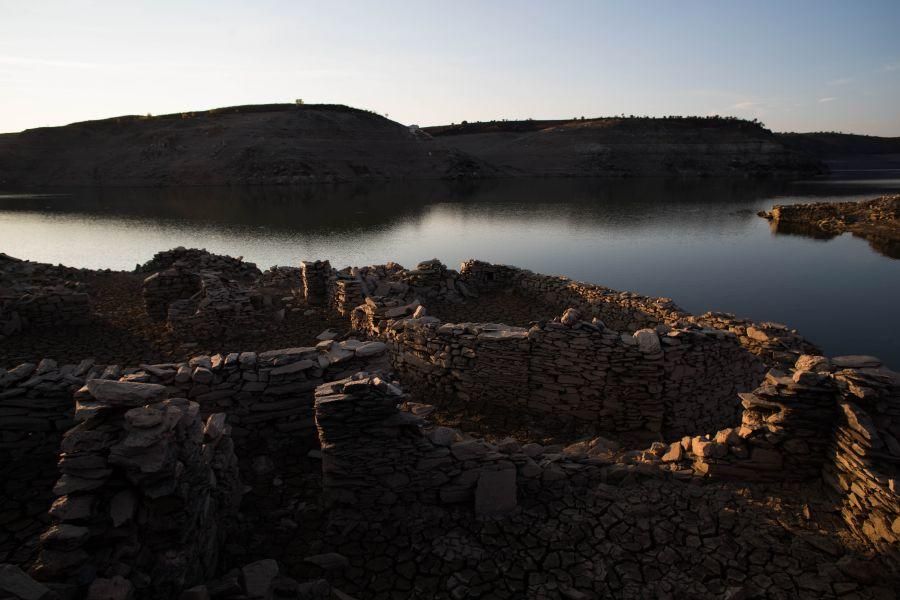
(856, 361)
(125, 393)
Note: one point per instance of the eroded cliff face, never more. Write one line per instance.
(272, 144)
(629, 147)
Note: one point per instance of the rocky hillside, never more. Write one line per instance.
(290, 144)
(266, 144)
(627, 147)
(844, 153)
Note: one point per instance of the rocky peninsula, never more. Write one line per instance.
(219, 431)
(877, 221)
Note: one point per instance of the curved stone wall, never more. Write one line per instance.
(571, 373)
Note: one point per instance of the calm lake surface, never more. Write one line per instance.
(698, 242)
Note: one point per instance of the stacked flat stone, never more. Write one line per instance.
(222, 308)
(375, 457)
(568, 372)
(193, 259)
(345, 292)
(624, 311)
(268, 396)
(35, 410)
(164, 287)
(785, 429)
(777, 345)
(865, 451)
(431, 279)
(287, 279)
(146, 491)
(380, 280)
(38, 295)
(316, 275)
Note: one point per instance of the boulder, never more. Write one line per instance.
(647, 341)
(571, 317)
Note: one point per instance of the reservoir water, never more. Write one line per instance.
(698, 242)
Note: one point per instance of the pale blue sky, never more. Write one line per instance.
(795, 65)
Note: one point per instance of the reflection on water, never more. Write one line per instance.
(699, 242)
(887, 246)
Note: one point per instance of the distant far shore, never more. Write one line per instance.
(305, 144)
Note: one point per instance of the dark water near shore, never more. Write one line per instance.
(698, 242)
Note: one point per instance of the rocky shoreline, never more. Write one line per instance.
(877, 221)
(309, 432)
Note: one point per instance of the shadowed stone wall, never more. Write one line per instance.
(570, 371)
(146, 491)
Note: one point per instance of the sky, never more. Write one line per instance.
(796, 65)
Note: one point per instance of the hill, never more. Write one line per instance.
(292, 144)
(263, 144)
(693, 146)
(847, 152)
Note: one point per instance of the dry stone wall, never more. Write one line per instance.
(193, 259)
(569, 371)
(375, 457)
(36, 408)
(267, 398)
(222, 307)
(37, 295)
(775, 344)
(146, 491)
(315, 276)
(204, 296)
(164, 287)
(864, 465)
(837, 419)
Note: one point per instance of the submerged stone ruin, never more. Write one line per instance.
(624, 448)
